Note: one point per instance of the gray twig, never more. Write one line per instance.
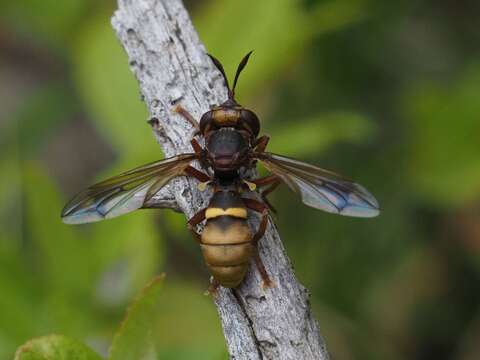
(171, 66)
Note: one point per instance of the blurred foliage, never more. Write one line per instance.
(50, 21)
(320, 132)
(436, 146)
(110, 92)
(386, 93)
(264, 27)
(138, 336)
(55, 347)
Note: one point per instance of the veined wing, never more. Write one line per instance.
(123, 193)
(321, 189)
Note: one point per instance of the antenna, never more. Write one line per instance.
(239, 70)
(219, 66)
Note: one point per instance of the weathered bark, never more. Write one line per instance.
(171, 66)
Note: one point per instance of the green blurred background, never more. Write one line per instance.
(385, 92)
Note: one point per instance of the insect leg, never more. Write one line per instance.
(271, 180)
(262, 208)
(256, 255)
(213, 288)
(266, 281)
(195, 220)
(199, 152)
(197, 174)
(267, 180)
(261, 229)
(255, 205)
(181, 111)
(261, 143)
(196, 146)
(273, 185)
(267, 191)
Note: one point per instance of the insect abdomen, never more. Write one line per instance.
(226, 245)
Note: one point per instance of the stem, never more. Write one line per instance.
(171, 66)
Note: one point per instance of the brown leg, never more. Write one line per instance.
(212, 289)
(180, 110)
(271, 180)
(272, 187)
(197, 174)
(267, 180)
(255, 205)
(194, 221)
(261, 229)
(266, 281)
(260, 207)
(196, 146)
(261, 143)
(267, 191)
(199, 152)
(197, 218)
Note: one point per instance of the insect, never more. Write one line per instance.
(232, 144)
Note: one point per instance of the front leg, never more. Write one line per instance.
(197, 174)
(179, 109)
(196, 147)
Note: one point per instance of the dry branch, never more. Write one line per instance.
(171, 66)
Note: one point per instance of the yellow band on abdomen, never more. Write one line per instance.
(235, 212)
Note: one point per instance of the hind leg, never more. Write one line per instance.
(263, 209)
(267, 191)
(194, 221)
(267, 282)
(212, 288)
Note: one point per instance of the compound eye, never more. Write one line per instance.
(250, 122)
(206, 122)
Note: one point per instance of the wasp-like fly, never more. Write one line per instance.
(232, 144)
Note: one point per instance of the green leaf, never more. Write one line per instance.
(314, 135)
(187, 316)
(55, 347)
(133, 341)
(180, 323)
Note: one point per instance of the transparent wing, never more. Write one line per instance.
(123, 193)
(321, 189)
